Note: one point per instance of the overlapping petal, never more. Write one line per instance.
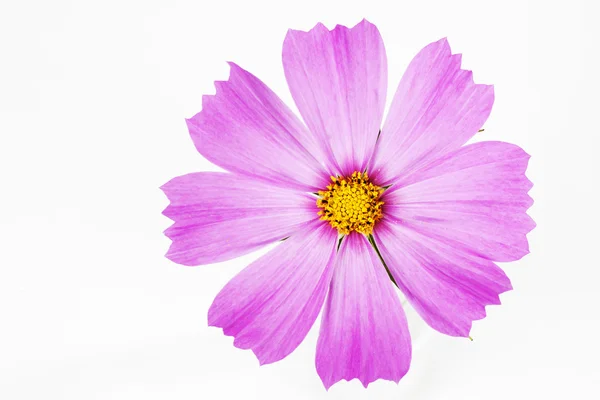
(338, 80)
(271, 305)
(445, 225)
(437, 108)
(247, 129)
(364, 333)
(219, 216)
(448, 289)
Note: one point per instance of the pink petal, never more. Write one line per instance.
(437, 108)
(246, 128)
(338, 80)
(271, 305)
(445, 224)
(448, 288)
(364, 333)
(474, 199)
(219, 216)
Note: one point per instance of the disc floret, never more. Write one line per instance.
(351, 204)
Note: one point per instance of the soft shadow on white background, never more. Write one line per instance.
(93, 98)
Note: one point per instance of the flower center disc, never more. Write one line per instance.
(351, 204)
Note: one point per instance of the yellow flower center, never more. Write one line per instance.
(351, 204)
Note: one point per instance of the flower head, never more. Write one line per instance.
(409, 201)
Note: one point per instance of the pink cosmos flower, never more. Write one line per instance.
(360, 206)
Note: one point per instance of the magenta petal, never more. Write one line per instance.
(271, 305)
(364, 333)
(448, 289)
(245, 128)
(437, 108)
(219, 216)
(445, 224)
(338, 80)
(473, 199)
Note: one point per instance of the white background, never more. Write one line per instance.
(93, 97)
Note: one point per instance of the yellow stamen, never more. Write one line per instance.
(351, 204)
